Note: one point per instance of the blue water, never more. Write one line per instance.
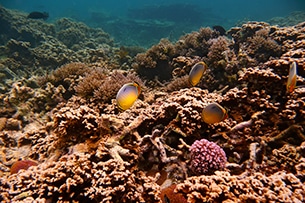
(109, 15)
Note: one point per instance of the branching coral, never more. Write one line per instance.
(218, 52)
(178, 83)
(111, 85)
(81, 177)
(195, 43)
(254, 38)
(75, 124)
(92, 80)
(223, 187)
(262, 47)
(65, 73)
(182, 65)
(155, 62)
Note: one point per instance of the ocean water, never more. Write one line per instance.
(144, 23)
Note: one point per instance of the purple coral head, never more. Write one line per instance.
(206, 157)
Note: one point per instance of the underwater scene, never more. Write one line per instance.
(152, 101)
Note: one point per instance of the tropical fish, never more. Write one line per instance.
(127, 95)
(219, 29)
(22, 164)
(38, 15)
(214, 113)
(166, 199)
(197, 72)
(292, 77)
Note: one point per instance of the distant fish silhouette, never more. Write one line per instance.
(219, 29)
(38, 15)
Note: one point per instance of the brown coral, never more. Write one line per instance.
(218, 52)
(111, 85)
(262, 47)
(93, 80)
(81, 177)
(156, 61)
(224, 187)
(75, 123)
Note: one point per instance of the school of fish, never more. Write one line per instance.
(212, 113)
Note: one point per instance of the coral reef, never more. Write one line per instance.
(290, 20)
(111, 85)
(156, 61)
(75, 35)
(33, 46)
(64, 116)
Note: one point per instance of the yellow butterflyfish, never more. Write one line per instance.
(127, 95)
(197, 72)
(214, 113)
(292, 78)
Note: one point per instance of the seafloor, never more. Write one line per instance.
(58, 86)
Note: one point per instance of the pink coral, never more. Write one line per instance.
(206, 157)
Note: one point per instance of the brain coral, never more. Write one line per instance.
(206, 157)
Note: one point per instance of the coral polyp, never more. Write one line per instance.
(206, 157)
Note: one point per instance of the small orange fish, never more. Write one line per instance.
(127, 95)
(214, 113)
(292, 78)
(22, 164)
(197, 72)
